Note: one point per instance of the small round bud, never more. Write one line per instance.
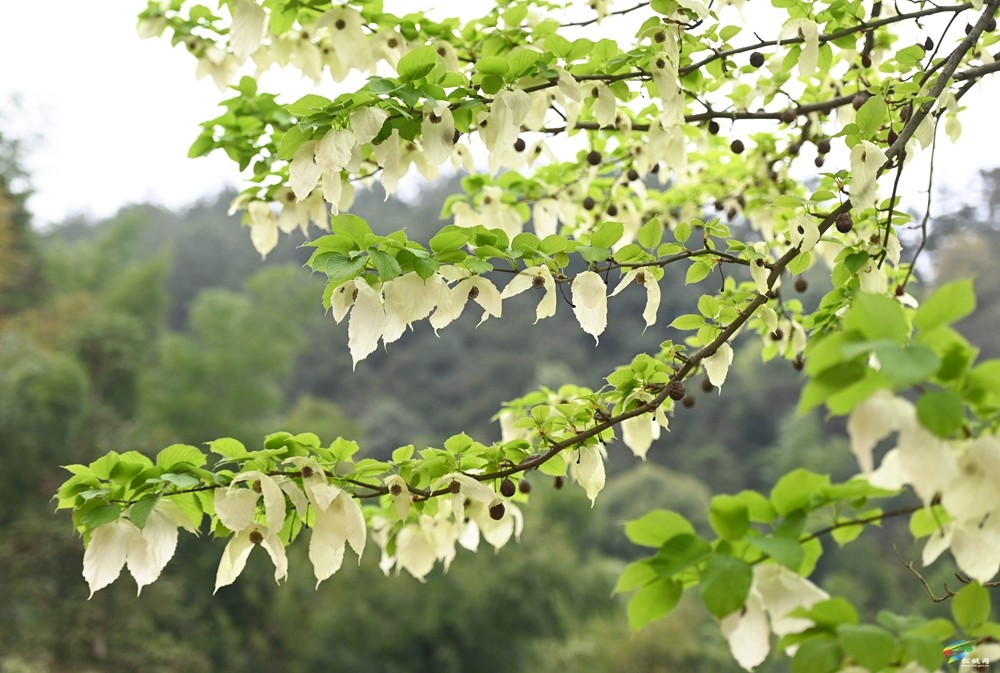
(612, 210)
(819, 161)
(823, 146)
(676, 390)
(660, 64)
(793, 149)
(928, 43)
(474, 292)
(589, 203)
(707, 386)
(434, 118)
(455, 487)
(713, 127)
(395, 489)
(844, 223)
(654, 169)
(519, 145)
(659, 36)
(737, 146)
(256, 537)
(866, 61)
(257, 487)
(900, 290)
(340, 24)
(797, 363)
(688, 401)
(892, 137)
(442, 52)
(801, 284)
(392, 43)
(497, 511)
(860, 99)
(777, 335)
(756, 59)
(640, 278)
(507, 487)
(788, 116)
(632, 175)
(538, 281)
(524, 486)
(558, 482)
(593, 157)
(307, 472)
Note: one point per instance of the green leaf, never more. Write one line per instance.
(139, 512)
(877, 317)
(795, 490)
(291, 141)
(417, 63)
(785, 551)
(906, 365)
(179, 453)
(344, 267)
(653, 601)
(682, 232)
(99, 515)
(650, 234)
(871, 116)
(971, 606)
(492, 65)
(678, 553)
(725, 584)
(607, 234)
(656, 527)
(952, 301)
(697, 272)
(308, 104)
(729, 517)
(230, 448)
(831, 612)
(351, 225)
(871, 646)
(181, 481)
(386, 265)
(941, 412)
(636, 574)
(817, 655)
(688, 321)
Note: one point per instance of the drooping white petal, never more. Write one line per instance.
(387, 155)
(276, 550)
(974, 493)
(367, 322)
(303, 172)
(274, 497)
(870, 422)
(105, 556)
(759, 273)
(527, 279)
(487, 296)
(866, 160)
(810, 50)
(366, 122)
(414, 551)
(748, 633)
(545, 217)
(263, 227)
(326, 545)
(236, 507)
(782, 591)
(927, 462)
(588, 470)
(717, 365)
(976, 548)
(590, 303)
(234, 558)
(152, 548)
(888, 475)
(334, 151)
(437, 132)
(247, 28)
(403, 498)
(351, 521)
(637, 433)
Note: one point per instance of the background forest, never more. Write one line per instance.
(166, 326)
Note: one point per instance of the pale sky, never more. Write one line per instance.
(112, 116)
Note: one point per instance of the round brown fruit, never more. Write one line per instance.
(676, 390)
(801, 285)
(507, 487)
(756, 59)
(737, 146)
(844, 223)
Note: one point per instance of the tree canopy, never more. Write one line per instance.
(597, 166)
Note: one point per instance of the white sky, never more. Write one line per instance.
(109, 117)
